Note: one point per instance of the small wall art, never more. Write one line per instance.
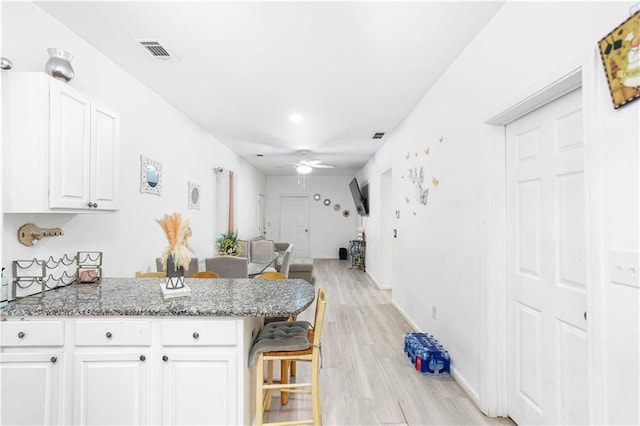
(150, 176)
(194, 196)
(620, 53)
(418, 179)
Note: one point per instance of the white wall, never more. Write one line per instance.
(129, 238)
(437, 260)
(328, 229)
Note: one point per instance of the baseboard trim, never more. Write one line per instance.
(460, 380)
(404, 315)
(455, 374)
(380, 287)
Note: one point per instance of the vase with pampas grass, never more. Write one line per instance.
(176, 257)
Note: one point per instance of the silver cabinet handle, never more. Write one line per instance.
(142, 357)
(165, 358)
(54, 359)
(195, 335)
(21, 335)
(109, 335)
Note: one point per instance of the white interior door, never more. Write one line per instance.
(294, 224)
(547, 265)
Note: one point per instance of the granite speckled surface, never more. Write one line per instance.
(143, 296)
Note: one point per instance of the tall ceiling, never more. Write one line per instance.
(241, 69)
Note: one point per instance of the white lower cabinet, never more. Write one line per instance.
(31, 372)
(31, 390)
(100, 370)
(199, 387)
(112, 387)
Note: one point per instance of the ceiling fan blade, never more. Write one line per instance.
(323, 166)
(312, 163)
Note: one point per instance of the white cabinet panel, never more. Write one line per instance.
(199, 387)
(105, 140)
(69, 148)
(111, 387)
(31, 333)
(112, 333)
(32, 377)
(199, 333)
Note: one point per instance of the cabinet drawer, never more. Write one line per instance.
(32, 333)
(113, 333)
(199, 333)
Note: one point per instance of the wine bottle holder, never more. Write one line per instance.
(35, 276)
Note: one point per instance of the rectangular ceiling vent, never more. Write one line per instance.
(157, 50)
(378, 135)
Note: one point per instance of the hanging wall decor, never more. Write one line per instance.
(620, 53)
(150, 176)
(418, 179)
(194, 196)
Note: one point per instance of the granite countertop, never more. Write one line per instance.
(143, 296)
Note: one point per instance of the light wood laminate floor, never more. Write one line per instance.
(365, 378)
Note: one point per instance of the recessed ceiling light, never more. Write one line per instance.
(296, 118)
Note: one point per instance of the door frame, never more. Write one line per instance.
(582, 72)
(386, 252)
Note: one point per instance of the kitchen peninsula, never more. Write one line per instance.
(118, 353)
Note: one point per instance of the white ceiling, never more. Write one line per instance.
(349, 68)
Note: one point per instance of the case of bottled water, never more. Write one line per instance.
(428, 356)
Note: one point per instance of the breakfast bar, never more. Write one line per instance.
(119, 353)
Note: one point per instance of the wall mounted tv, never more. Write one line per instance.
(361, 202)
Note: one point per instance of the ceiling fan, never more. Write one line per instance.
(304, 167)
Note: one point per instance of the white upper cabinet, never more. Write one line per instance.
(61, 147)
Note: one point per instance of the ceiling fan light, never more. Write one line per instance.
(304, 169)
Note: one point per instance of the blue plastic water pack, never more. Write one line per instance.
(428, 356)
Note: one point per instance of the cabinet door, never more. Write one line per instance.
(32, 377)
(199, 388)
(69, 147)
(112, 388)
(105, 131)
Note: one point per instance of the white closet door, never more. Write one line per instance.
(547, 265)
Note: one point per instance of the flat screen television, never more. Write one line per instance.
(362, 205)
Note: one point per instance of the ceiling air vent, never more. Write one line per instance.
(156, 49)
(378, 135)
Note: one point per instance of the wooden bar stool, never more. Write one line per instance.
(288, 336)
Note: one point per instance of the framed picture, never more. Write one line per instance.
(194, 196)
(150, 176)
(620, 52)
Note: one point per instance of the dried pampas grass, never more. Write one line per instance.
(178, 233)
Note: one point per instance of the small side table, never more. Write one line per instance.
(357, 251)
